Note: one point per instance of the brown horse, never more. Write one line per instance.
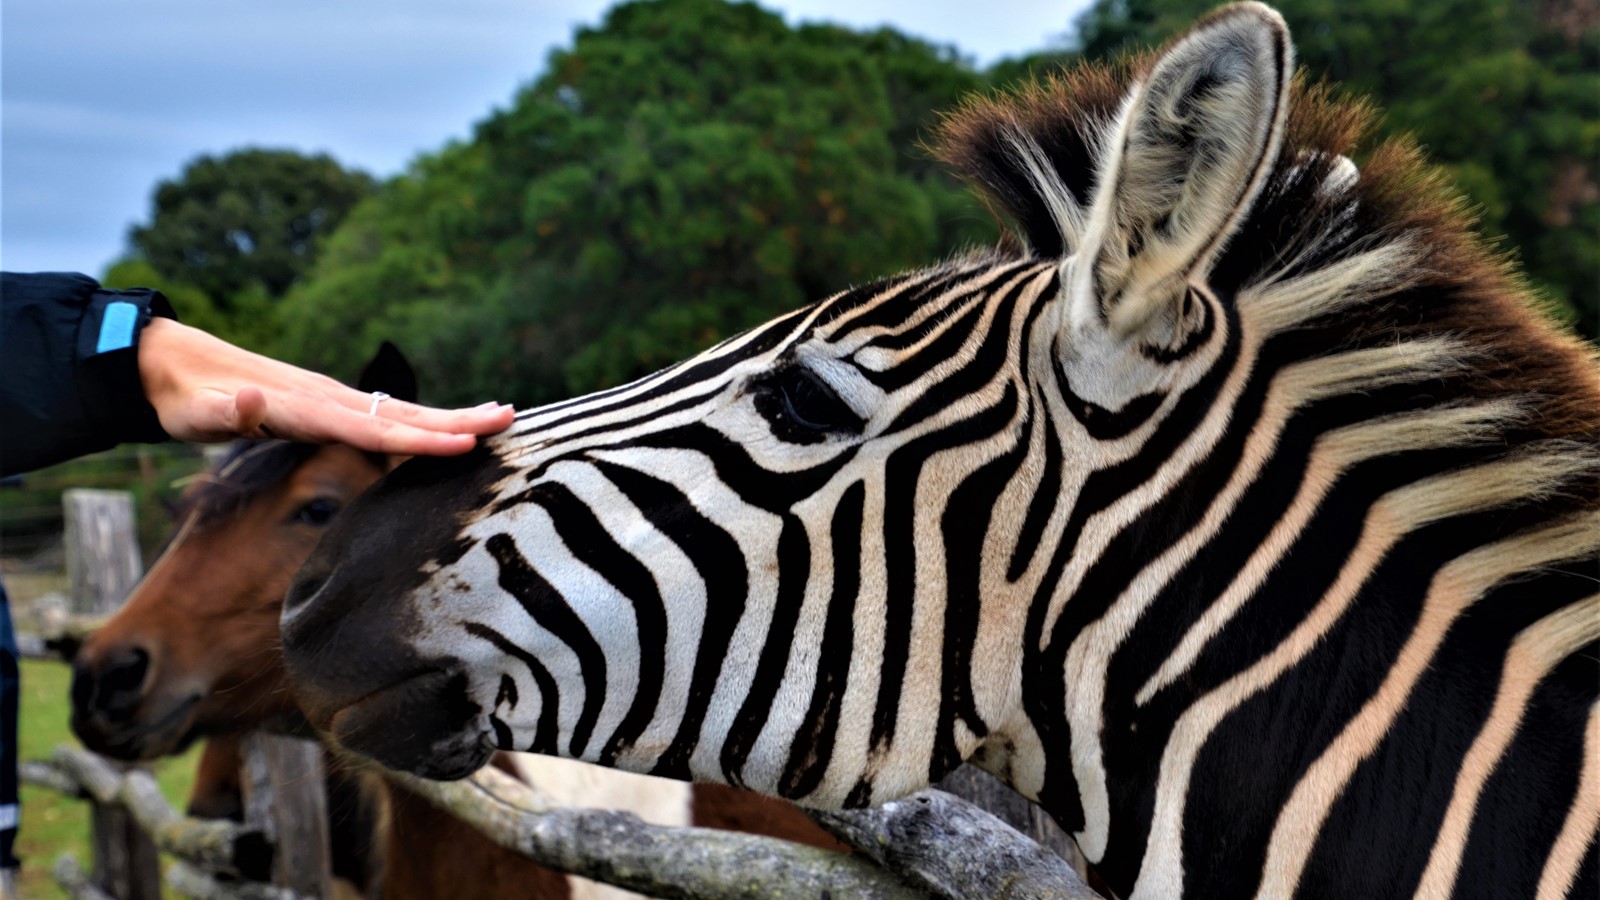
(195, 652)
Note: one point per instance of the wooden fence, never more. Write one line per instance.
(931, 844)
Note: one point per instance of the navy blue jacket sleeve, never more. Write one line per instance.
(69, 368)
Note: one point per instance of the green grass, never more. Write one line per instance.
(53, 824)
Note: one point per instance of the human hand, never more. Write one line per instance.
(206, 389)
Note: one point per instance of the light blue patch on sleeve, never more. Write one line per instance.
(116, 326)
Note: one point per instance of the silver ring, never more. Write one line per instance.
(377, 397)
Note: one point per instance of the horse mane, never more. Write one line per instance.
(246, 470)
(1316, 213)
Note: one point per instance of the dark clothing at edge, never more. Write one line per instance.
(69, 385)
(69, 368)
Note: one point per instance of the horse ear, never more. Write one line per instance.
(1190, 149)
(391, 373)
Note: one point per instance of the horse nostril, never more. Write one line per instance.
(116, 688)
(82, 686)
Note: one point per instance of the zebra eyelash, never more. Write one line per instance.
(802, 409)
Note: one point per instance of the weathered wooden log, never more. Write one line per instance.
(94, 776)
(621, 849)
(212, 845)
(74, 881)
(989, 793)
(58, 640)
(32, 646)
(284, 796)
(44, 775)
(191, 882)
(954, 849)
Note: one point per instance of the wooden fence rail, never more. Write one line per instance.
(75, 881)
(215, 846)
(952, 848)
(66, 634)
(931, 844)
(621, 849)
(191, 882)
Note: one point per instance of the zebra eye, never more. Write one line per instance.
(802, 408)
(318, 512)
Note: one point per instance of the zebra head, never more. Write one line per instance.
(1233, 470)
(804, 560)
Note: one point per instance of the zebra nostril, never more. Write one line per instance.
(309, 581)
(305, 586)
(308, 605)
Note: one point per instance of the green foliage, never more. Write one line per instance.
(1504, 93)
(30, 511)
(691, 167)
(249, 320)
(685, 170)
(250, 220)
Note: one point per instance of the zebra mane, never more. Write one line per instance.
(1395, 247)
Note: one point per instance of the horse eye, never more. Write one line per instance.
(318, 512)
(802, 408)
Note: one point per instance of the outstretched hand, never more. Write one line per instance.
(206, 389)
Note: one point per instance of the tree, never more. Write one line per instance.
(1504, 93)
(250, 320)
(685, 170)
(249, 218)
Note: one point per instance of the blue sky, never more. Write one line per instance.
(99, 99)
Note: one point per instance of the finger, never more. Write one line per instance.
(250, 412)
(319, 419)
(398, 439)
(491, 418)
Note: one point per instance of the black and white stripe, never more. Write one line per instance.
(1240, 533)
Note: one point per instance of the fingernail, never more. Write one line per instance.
(492, 404)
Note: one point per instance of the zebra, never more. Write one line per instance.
(1241, 509)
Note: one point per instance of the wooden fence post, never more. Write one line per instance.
(103, 565)
(285, 796)
(102, 547)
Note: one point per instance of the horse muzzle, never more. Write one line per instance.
(115, 714)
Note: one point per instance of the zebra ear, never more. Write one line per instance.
(1189, 151)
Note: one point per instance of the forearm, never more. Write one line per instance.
(86, 369)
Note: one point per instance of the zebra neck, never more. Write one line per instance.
(1266, 627)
